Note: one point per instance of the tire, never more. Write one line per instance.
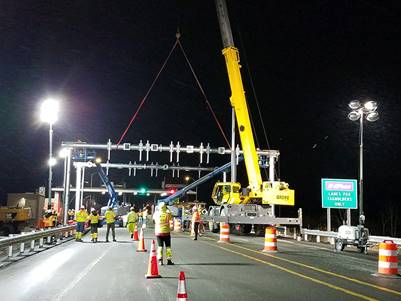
(363, 250)
(215, 228)
(259, 230)
(7, 229)
(245, 229)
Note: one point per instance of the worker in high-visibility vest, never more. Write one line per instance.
(81, 218)
(94, 222)
(196, 219)
(162, 219)
(48, 219)
(132, 218)
(111, 223)
(55, 218)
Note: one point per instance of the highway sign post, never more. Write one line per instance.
(339, 194)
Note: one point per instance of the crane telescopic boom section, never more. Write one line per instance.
(238, 101)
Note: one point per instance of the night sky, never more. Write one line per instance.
(306, 61)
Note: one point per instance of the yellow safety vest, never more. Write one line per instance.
(48, 221)
(132, 217)
(162, 223)
(82, 216)
(94, 218)
(110, 216)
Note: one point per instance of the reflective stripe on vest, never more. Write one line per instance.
(131, 218)
(162, 223)
(82, 215)
(94, 219)
(110, 216)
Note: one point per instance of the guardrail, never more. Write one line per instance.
(35, 241)
(332, 234)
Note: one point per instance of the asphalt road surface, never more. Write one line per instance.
(214, 271)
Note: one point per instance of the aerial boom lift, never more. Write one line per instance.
(113, 201)
(110, 189)
(179, 193)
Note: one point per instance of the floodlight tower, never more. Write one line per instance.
(359, 111)
(49, 114)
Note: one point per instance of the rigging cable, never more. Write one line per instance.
(203, 93)
(147, 94)
(177, 42)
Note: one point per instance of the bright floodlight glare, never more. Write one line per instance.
(354, 104)
(370, 106)
(52, 161)
(63, 153)
(49, 110)
(372, 116)
(163, 194)
(187, 178)
(98, 160)
(354, 115)
(148, 194)
(135, 193)
(120, 193)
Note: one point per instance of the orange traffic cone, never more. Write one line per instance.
(136, 233)
(153, 271)
(141, 244)
(181, 290)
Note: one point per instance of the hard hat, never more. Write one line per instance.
(82, 207)
(162, 204)
(132, 208)
(93, 209)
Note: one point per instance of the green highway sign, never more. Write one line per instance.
(339, 193)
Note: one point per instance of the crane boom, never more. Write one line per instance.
(238, 100)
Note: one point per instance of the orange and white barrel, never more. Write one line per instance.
(388, 261)
(177, 225)
(270, 240)
(224, 232)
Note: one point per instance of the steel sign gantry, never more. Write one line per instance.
(176, 149)
(144, 150)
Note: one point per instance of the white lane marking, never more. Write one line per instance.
(255, 240)
(240, 239)
(302, 245)
(81, 275)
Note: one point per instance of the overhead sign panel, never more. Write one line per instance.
(339, 193)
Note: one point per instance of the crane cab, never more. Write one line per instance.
(227, 193)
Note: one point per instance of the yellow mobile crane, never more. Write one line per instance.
(229, 194)
(258, 190)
